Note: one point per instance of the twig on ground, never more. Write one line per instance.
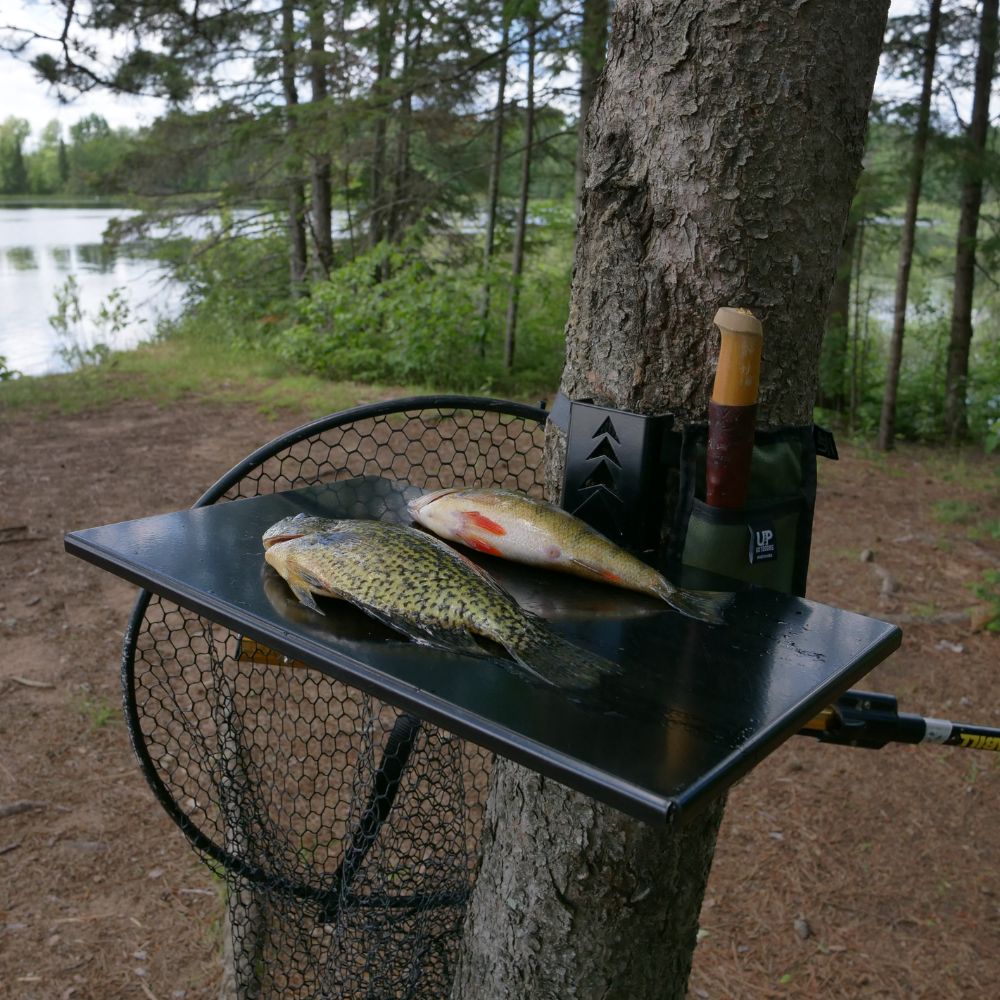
(22, 805)
(145, 989)
(29, 683)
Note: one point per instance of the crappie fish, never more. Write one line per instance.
(517, 527)
(420, 586)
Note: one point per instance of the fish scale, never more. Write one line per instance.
(420, 586)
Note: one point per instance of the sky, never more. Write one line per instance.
(21, 94)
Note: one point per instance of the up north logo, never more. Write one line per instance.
(763, 545)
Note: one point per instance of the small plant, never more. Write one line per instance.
(6, 372)
(84, 337)
(98, 712)
(988, 529)
(988, 591)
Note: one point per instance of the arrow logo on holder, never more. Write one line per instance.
(604, 475)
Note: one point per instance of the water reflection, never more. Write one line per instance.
(40, 250)
(21, 258)
(96, 257)
(62, 257)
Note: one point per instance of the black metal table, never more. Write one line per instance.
(696, 706)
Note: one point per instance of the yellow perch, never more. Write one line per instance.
(517, 527)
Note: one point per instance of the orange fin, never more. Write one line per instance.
(474, 518)
(479, 545)
(595, 572)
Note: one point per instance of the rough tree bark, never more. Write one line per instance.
(887, 421)
(593, 44)
(517, 257)
(968, 225)
(724, 145)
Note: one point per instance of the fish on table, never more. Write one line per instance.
(420, 586)
(520, 528)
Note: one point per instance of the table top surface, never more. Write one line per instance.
(695, 707)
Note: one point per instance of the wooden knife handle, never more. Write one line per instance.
(732, 412)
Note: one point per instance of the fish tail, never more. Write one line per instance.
(705, 605)
(554, 660)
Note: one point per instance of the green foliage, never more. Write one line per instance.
(412, 314)
(7, 373)
(954, 511)
(13, 169)
(417, 324)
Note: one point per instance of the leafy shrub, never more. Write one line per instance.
(397, 314)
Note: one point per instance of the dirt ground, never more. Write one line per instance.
(839, 872)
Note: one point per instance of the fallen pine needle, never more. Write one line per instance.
(147, 990)
(29, 683)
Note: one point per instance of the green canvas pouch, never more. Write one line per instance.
(767, 542)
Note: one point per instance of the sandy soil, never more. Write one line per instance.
(839, 872)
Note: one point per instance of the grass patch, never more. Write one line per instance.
(988, 529)
(954, 511)
(98, 712)
(191, 363)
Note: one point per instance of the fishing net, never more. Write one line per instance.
(346, 830)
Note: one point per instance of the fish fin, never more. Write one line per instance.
(552, 659)
(304, 584)
(305, 597)
(705, 605)
(474, 519)
(479, 544)
(594, 572)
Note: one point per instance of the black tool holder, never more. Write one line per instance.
(619, 467)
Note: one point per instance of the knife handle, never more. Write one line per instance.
(732, 411)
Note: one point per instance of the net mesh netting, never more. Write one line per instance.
(345, 829)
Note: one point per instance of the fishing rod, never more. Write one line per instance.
(871, 720)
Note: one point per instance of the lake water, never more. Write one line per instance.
(40, 248)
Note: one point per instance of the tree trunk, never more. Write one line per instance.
(493, 197)
(385, 30)
(965, 256)
(593, 43)
(855, 337)
(322, 208)
(517, 260)
(887, 422)
(833, 353)
(724, 145)
(296, 195)
(400, 206)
